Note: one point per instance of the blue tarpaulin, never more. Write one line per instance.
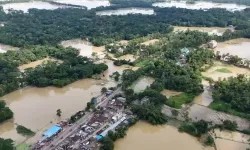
(52, 131)
(99, 137)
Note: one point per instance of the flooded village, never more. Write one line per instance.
(88, 113)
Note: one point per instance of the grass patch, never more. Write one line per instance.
(142, 63)
(23, 146)
(223, 70)
(178, 100)
(225, 107)
(24, 131)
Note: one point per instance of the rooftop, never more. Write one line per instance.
(52, 131)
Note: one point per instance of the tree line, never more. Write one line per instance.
(234, 92)
(59, 73)
(35, 27)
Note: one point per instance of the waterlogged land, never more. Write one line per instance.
(40, 104)
(221, 71)
(210, 30)
(142, 83)
(239, 47)
(36, 63)
(126, 11)
(200, 5)
(86, 48)
(25, 6)
(143, 136)
(222, 144)
(87, 3)
(4, 48)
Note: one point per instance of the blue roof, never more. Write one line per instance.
(52, 131)
(99, 137)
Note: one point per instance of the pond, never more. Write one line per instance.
(126, 11)
(25, 6)
(143, 136)
(142, 83)
(87, 3)
(200, 5)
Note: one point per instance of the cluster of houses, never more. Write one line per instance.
(105, 119)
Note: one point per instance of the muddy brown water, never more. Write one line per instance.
(36, 63)
(239, 47)
(35, 108)
(200, 5)
(215, 75)
(222, 144)
(142, 83)
(143, 136)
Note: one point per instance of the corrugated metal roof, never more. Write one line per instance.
(52, 131)
(113, 126)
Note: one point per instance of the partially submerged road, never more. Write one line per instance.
(70, 130)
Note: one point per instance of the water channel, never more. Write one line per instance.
(126, 11)
(35, 108)
(200, 5)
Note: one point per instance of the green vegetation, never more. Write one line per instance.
(178, 100)
(209, 140)
(223, 70)
(23, 146)
(150, 113)
(37, 25)
(232, 95)
(229, 125)
(6, 144)
(24, 131)
(5, 112)
(116, 75)
(123, 62)
(194, 128)
(225, 107)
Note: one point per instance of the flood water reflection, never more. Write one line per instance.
(126, 11)
(35, 108)
(143, 136)
(200, 5)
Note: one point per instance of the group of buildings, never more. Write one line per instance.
(106, 118)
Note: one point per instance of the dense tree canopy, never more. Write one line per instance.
(37, 26)
(5, 112)
(6, 144)
(235, 92)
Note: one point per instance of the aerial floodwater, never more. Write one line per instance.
(239, 47)
(142, 83)
(25, 6)
(143, 136)
(35, 108)
(200, 5)
(87, 3)
(125, 11)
